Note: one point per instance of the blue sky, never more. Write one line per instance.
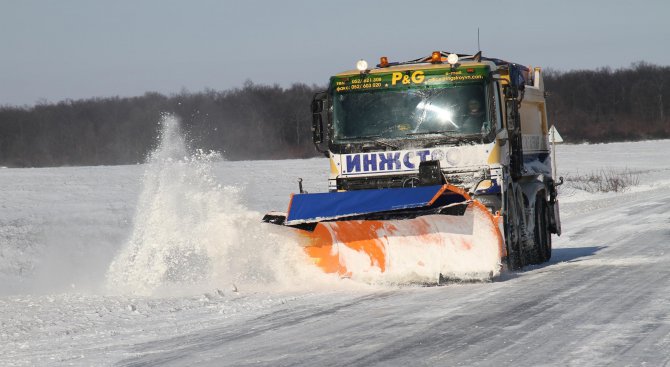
(54, 50)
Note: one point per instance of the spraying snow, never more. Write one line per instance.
(190, 232)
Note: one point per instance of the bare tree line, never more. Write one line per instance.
(271, 122)
(252, 122)
(604, 105)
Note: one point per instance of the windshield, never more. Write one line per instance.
(456, 110)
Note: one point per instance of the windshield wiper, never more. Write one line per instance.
(374, 138)
(445, 133)
(359, 137)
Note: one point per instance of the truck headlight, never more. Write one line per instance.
(452, 59)
(362, 65)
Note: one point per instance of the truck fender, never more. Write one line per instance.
(530, 190)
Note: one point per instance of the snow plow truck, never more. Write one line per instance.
(440, 169)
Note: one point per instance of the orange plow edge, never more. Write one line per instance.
(426, 248)
(400, 235)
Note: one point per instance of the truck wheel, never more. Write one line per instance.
(527, 255)
(547, 231)
(542, 231)
(539, 233)
(512, 231)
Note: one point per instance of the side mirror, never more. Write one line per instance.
(318, 106)
(317, 128)
(511, 112)
(510, 126)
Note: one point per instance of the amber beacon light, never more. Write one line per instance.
(436, 57)
(383, 61)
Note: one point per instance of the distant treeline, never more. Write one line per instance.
(604, 105)
(252, 122)
(271, 122)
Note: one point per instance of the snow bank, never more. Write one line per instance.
(60, 227)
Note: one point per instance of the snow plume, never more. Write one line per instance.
(191, 233)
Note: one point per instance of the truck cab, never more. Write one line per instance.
(382, 123)
(473, 122)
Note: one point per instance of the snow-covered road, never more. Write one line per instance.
(603, 299)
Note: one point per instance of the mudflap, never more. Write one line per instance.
(555, 220)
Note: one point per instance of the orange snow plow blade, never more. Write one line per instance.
(405, 235)
(421, 249)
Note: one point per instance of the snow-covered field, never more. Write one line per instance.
(167, 264)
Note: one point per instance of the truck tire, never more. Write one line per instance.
(525, 242)
(512, 231)
(542, 232)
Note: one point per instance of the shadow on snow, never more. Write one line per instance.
(558, 255)
(571, 254)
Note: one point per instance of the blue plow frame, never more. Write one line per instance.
(310, 208)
